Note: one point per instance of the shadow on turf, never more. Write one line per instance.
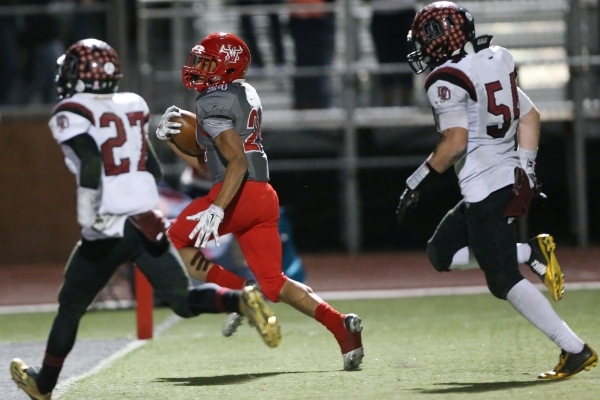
(479, 387)
(223, 379)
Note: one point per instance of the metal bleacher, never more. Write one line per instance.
(554, 42)
(536, 31)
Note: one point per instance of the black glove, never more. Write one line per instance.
(421, 177)
(537, 188)
(408, 199)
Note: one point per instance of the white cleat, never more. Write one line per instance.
(231, 323)
(353, 358)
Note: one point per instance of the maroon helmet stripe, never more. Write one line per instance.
(75, 108)
(454, 76)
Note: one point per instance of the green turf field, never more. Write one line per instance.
(451, 347)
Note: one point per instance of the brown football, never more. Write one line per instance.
(186, 139)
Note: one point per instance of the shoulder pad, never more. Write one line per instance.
(476, 45)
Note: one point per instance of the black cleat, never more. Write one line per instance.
(569, 364)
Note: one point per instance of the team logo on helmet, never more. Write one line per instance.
(109, 68)
(432, 30)
(232, 54)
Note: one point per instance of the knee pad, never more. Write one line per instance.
(439, 261)
(271, 287)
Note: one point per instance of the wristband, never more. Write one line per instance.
(422, 175)
(527, 159)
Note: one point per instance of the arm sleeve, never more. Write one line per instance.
(86, 149)
(454, 119)
(525, 103)
(214, 126)
(449, 103)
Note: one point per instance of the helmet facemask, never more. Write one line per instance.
(219, 58)
(200, 69)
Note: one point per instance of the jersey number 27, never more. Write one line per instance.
(110, 166)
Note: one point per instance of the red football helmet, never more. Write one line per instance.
(218, 58)
(89, 66)
(438, 30)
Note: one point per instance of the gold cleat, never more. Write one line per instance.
(570, 364)
(25, 380)
(544, 264)
(254, 307)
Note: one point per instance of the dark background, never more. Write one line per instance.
(317, 213)
(37, 193)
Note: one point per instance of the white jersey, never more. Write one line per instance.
(118, 123)
(483, 84)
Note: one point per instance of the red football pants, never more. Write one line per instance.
(252, 217)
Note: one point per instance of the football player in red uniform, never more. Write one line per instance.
(241, 201)
(103, 135)
(489, 132)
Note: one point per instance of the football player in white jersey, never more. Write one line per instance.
(103, 135)
(489, 131)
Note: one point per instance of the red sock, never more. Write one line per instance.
(334, 321)
(54, 362)
(224, 278)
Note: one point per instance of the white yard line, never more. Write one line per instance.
(440, 291)
(330, 295)
(64, 386)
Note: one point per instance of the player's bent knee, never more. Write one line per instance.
(440, 262)
(270, 288)
(496, 290)
(183, 308)
(183, 312)
(501, 284)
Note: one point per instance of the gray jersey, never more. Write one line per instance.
(239, 102)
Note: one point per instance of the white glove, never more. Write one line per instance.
(104, 221)
(208, 224)
(166, 128)
(527, 159)
(86, 206)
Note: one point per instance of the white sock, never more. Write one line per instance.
(462, 259)
(523, 252)
(532, 304)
